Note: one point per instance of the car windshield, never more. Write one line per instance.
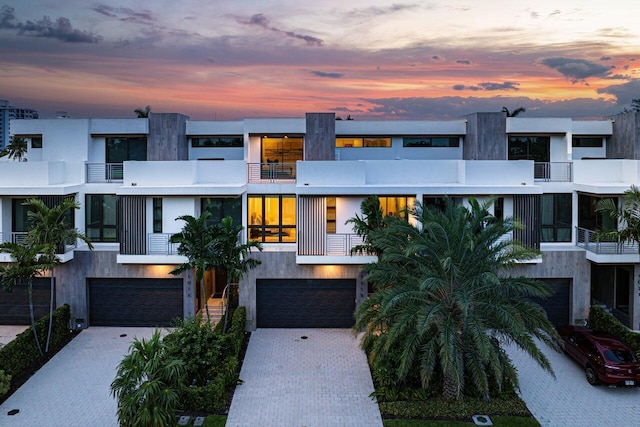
(619, 356)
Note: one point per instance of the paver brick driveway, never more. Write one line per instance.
(72, 389)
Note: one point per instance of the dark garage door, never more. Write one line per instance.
(134, 302)
(557, 305)
(14, 306)
(305, 303)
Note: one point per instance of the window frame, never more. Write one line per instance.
(225, 207)
(454, 141)
(361, 141)
(102, 227)
(575, 141)
(262, 232)
(556, 224)
(216, 141)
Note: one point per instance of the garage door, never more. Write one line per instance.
(134, 302)
(305, 303)
(14, 306)
(558, 304)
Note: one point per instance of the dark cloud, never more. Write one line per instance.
(262, 21)
(623, 92)
(436, 57)
(499, 86)
(458, 87)
(463, 61)
(60, 29)
(605, 58)
(576, 69)
(380, 11)
(328, 75)
(125, 14)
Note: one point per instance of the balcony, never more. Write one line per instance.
(337, 250)
(271, 172)
(553, 171)
(159, 250)
(105, 172)
(603, 251)
(63, 253)
(160, 244)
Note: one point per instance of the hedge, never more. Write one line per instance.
(601, 320)
(440, 408)
(22, 352)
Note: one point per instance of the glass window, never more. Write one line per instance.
(20, 216)
(157, 215)
(498, 208)
(286, 149)
(272, 218)
(100, 217)
(586, 141)
(221, 207)
(534, 148)
(556, 218)
(369, 141)
(431, 141)
(218, 141)
(331, 215)
(397, 206)
(121, 149)
(589, 219)
(36, 142)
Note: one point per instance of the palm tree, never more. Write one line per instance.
(515, 112)
(195, 240)
(445, 305)
(29, 261)
(626, 216)
(16, 149)
(147, 384)
(143, 113)
(372, 219)
(50, 227)
(230, 256)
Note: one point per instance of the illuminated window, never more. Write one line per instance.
(286, 149)
(369, 141)
(397, 206)
(331, 215)
(431, 141)
(272, 218)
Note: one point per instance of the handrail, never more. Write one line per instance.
(588, 239)
(271, 172)
(553, 171)
(105, 172)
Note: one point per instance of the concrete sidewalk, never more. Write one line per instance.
(320, 381)
(72, 389)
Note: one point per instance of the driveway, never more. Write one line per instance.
(569, 400)
(320, 381)
(9, 332)
(72, 389)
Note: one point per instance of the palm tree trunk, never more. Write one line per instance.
(205, 300)
(33, 320)
(51, 297)
(449, 389)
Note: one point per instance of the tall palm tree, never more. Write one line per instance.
(195, 240)
(143, 113)
(29, 261)
(627, 217)
(230, 256)
(50, 227)
(515, 112)
(147, 384)
(445, 304)
(16, 149)
(372, 218)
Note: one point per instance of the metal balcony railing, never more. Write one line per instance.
(341, 244)
(105, 172)
(160, 244)
(19, 238)
(271, 172)
(553, 171)
(588, 240)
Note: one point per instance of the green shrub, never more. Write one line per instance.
(5, 383)
(22, 352)
(600, 320)
(440, 408)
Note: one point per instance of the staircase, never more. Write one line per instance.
(216, 308)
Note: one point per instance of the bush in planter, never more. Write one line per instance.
(5, 383)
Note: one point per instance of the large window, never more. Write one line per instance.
(100, 217)
(217, 141)
(589, 218)
(397, 206)
(157, 214)
(285, 149)
(586, 141)
(556, 218)
(431, 141)
(272, 218)
(221, 207)
(20, 215)
(367, 141)
(121, 149)
(534, 148)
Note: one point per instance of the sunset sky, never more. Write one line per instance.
(281, 58)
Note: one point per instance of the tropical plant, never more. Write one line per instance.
(29, 261)
(627, 217)
(195, 240)
(143, 113)
(230, 255)
(147, 384)
(445, 304)
(16, 149)
(372, 219)
(51, 228)
(515, 112)
(5, 383)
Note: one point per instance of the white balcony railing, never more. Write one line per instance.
(271, 172)
(553, 171)
(160, 244)
(105, 172)
(588, 240)
(341, 244)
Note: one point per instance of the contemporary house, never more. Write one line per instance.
(293, 183)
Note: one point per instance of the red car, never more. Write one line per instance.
(604, 358)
